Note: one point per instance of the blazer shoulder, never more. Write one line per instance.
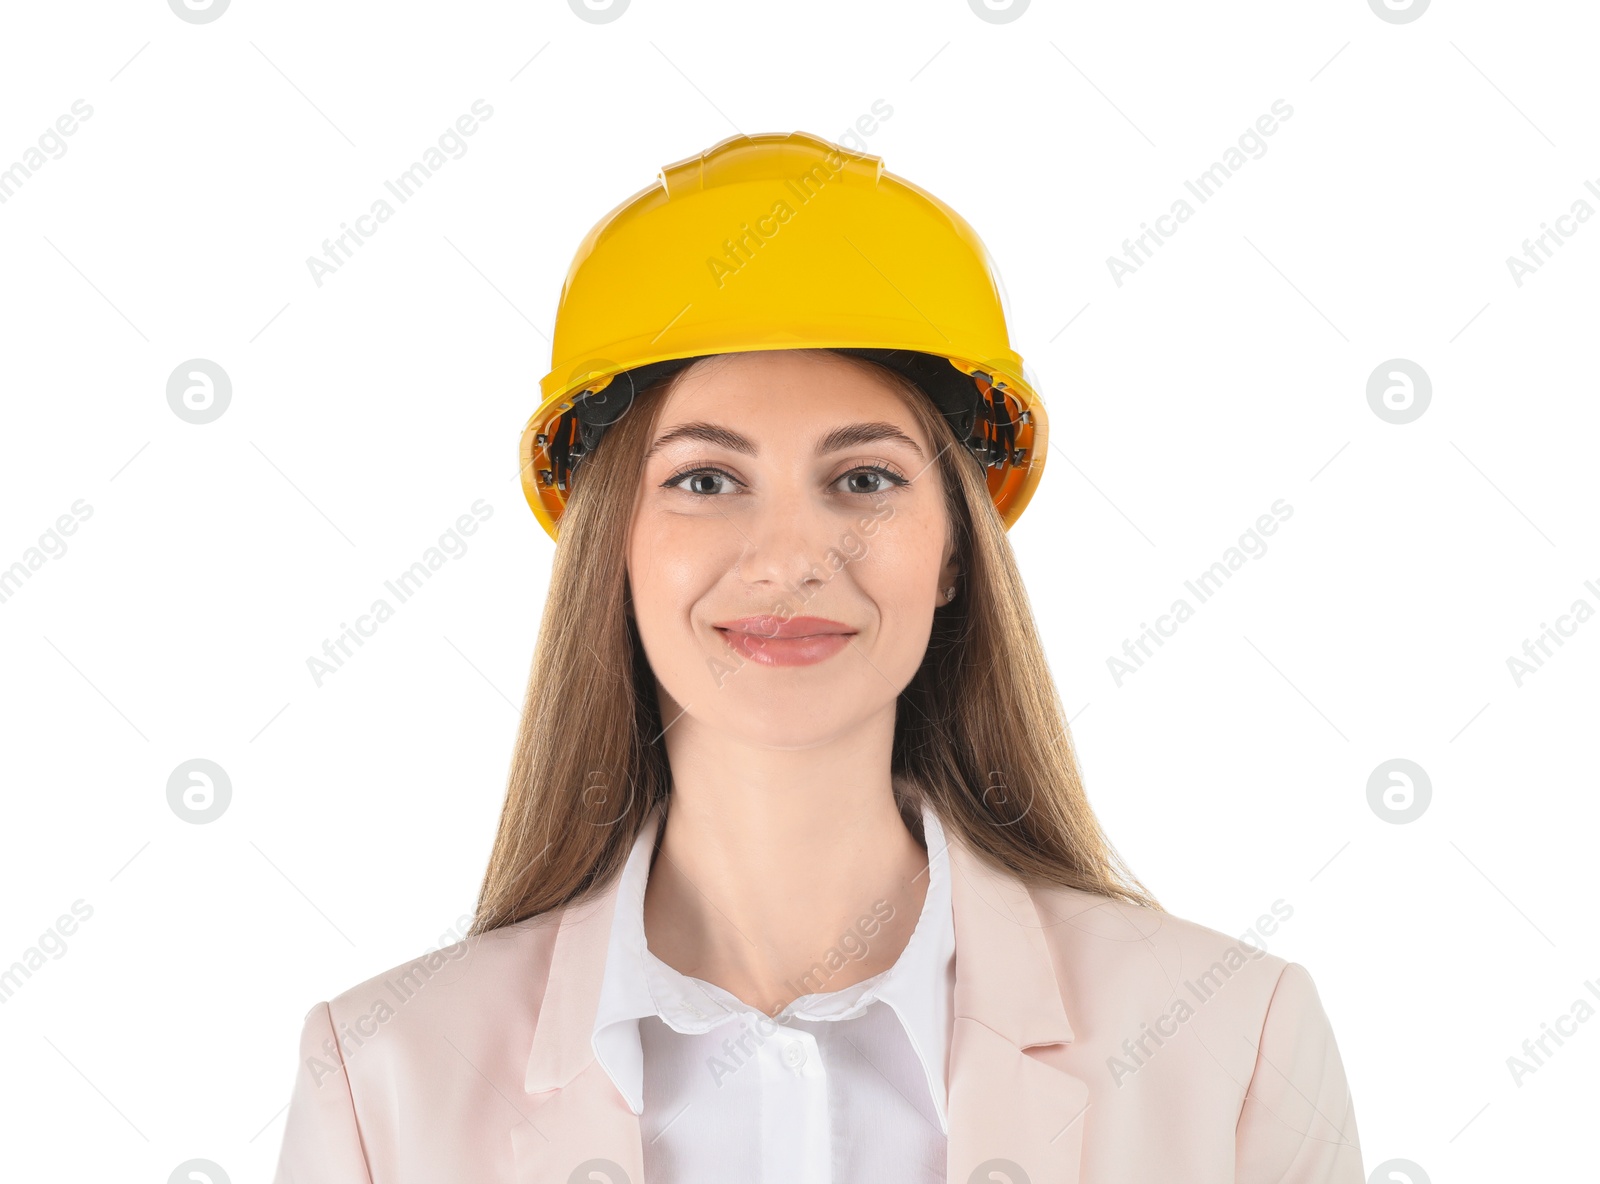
(1150, 961)
(502, 969)
(1174, 1017)
(445, 1034)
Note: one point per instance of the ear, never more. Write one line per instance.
(949, 577)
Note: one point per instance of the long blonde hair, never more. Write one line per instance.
(979, 734)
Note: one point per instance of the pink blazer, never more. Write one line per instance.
(1094, 1042)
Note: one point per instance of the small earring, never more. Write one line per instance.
(950, 593)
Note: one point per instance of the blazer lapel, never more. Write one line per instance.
(579, 1127)
(1013, 1116)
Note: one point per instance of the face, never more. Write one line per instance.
(789, 545)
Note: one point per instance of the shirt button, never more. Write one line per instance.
(793, 1055)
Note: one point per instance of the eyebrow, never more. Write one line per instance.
(850, 435)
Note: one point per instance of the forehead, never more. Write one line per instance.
(781, 393)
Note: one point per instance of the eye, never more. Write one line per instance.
(703, 481)
(871, 479)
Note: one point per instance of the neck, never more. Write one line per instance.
(783, 873)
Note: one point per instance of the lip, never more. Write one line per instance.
(795, 641)
(773, 626)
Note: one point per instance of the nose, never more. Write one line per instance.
(786, 547)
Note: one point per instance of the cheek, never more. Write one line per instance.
(659, 609)
(897, 570)
(903, 551)
(670, 571)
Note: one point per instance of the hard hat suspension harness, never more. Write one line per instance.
(974, 404)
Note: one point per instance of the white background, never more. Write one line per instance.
(370, 412)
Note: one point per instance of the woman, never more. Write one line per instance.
(796, 879)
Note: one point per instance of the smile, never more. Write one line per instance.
(798, 641)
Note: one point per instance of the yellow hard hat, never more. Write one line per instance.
(783, 242)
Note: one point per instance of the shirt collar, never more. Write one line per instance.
(917, 988)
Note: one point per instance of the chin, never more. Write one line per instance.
(786, 722)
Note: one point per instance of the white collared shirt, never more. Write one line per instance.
(841, 1087)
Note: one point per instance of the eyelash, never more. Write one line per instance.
(883, 469)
